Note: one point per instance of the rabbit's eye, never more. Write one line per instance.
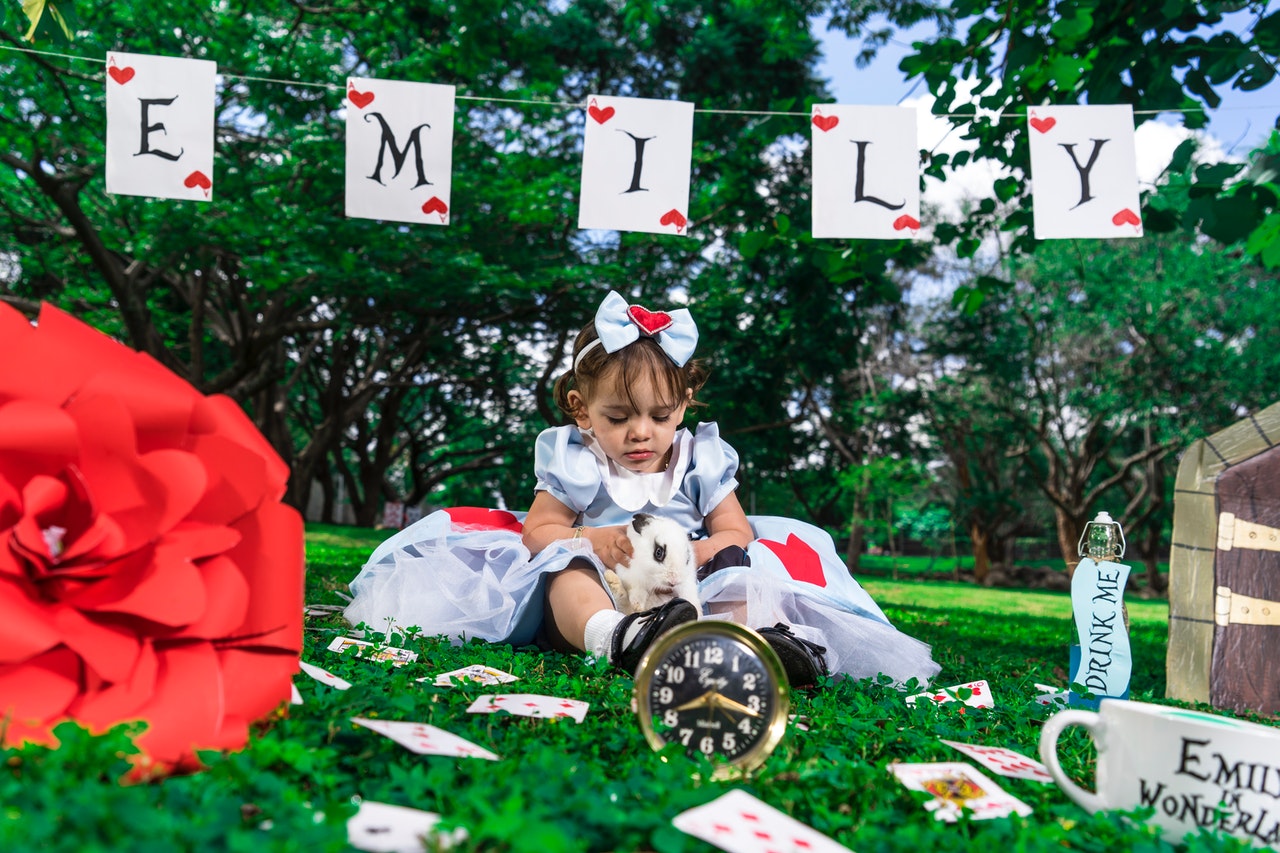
(659, 553)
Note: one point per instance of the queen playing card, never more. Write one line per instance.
(956, 789)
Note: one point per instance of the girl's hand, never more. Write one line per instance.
(610, 544)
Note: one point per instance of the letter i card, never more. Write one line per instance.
(160, 126)
(636, 156)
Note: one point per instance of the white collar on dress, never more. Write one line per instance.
(632, 491)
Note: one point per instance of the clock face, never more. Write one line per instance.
(717, 688)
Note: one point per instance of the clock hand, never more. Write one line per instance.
(701, 702)
(724, 703)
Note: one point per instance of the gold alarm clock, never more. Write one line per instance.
(718, 689)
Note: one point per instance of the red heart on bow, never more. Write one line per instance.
(674, 217)
(825, 123)
(1044, 125)
(601, 115)
(121, 75)
(906, 220)
(651, 322)
(360, 99)
(799, 559)
(434, 205)
(1126, 216)
(197, 179)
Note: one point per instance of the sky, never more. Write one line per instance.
(1239, 125)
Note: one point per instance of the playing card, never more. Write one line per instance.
(425, 739)
(295, 698)
(477, 672)
(956, 786)
(1003, 761)
(322, 609)
(530, 705)
(1052, 696)
(372, 651)
(384, 828)
(978, 695)
(324, 676)
(740, 823)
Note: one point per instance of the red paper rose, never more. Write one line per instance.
(148, 570)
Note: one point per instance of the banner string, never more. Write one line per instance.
(537, 103)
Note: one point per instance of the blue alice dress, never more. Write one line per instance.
(465, 573)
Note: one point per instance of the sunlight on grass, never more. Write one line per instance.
(942, 595)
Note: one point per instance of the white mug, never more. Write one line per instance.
(1194, 769)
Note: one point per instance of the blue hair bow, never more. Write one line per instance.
(619, 324)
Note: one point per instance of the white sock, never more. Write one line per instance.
(598, 636)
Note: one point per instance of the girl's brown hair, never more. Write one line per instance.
(643, 357)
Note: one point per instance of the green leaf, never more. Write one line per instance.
(752, 242)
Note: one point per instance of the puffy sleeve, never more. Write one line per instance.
(712, 466)
(565, 468)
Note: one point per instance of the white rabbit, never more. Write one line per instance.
(661, 566)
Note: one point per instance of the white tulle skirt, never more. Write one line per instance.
(464, 580)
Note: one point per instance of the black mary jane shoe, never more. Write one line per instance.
(805, 662)
(653, 623)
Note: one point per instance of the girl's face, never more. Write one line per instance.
(634, 425)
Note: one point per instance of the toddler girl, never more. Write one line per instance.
(504, 577)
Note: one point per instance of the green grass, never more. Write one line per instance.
(597, 785)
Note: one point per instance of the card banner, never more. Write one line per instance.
(160, 112)
(636, 159)
(1084, 172)
(866, 172)
(399, 150)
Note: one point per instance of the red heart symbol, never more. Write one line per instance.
(197, 179)
(360, 99)
(601, 115)
(1044, 125)
(675, 217)
(1126, 216)
(906, 220)
(825, 123)
(121, 75)
(651, 322)
(434, 205)
(799, 559)
(484, 519)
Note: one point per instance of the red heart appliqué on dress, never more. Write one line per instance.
(825, 123)
(799, 559)
(197, 179)
(434, 205)
(483, 518)
(360, 99)
(674, 217)
(651, 322)
(1126, 216)
(1044, 125)
(121, 75)
(906, 220)
(600, 115)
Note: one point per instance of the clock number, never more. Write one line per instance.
(692, 659)
(707, 744)
(686, 735)
(736, 658)
(715, 656)
(749, 681)
(675, 674)
(745, 726)
(753, 702)
(670, 718)
(666, 694)
(730, 742)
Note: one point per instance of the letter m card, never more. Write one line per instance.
(636, 156)
(866, 172)
(160, 113)
(1084, 172)
(399, 150)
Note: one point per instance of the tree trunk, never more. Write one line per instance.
(981, 559)
(853, 553)
(1069, 529)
